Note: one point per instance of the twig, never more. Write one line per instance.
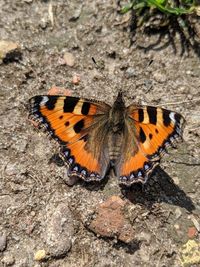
(50, 11)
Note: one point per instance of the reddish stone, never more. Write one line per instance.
(59, 91)
(192, 232)
(76, 79)
(110, 220)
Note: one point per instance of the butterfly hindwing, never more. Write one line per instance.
(73, 122)
(153, 130)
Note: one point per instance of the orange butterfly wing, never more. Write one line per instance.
(72, 122)
(153, 130)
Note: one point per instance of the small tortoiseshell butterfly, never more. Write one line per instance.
(94, 136)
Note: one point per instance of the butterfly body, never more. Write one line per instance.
(94, 136)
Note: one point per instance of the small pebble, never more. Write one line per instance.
(130, 72)
(148, 84)
(11, 169)
(3, 242)
(176, 180)
(69, 59)
(9, 51)
(189, 72)
(33, 213)
(40, 255)
(192, 232)
(196, 223)
(8, 260)
(59, 91)
(160, 77)
(177, 226)
(76, 79)
(76, 13)
(70, 181)
(59, 230)
(178, 213)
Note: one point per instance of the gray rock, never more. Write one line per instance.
(8, 260)
(59, 231)
(148, 84)
(11, 169)
(3, 242)
(160, 76)
(76, 14)
(130, 72)
(9, 50)
(178, 213)
(69, 59)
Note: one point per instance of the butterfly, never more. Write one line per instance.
(95, 136)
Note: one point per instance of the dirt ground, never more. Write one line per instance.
(165, 215)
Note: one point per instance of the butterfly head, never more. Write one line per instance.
(119, 99)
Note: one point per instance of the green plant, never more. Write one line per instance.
(166, 16)
(164, 6)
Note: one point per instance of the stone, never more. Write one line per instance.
(8, 260)
(110, 220)
(70, 181)
(195, 222)
(11, 169)
(192, 232)
(76, 79)
(76, 14)
(130, 72)
(69, 59)
(3, 242)
(55, 90)
(59, 230)
(9, 51)
(40, 255)
(178, 213)
(160, 76)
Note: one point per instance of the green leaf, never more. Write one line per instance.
(170, 10)
(126, 8)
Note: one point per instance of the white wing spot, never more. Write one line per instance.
(83, 172)
(146, 167)
(44, 100)
(172, 116)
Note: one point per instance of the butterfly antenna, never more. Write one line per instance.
(94, 61)
(99, 67)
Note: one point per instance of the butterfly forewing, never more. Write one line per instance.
(73, 122)
(153, 130)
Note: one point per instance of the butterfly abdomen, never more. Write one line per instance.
(115, 145)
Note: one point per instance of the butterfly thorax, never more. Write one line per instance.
(116, 124)
(117, 115)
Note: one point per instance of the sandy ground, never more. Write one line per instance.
(34, 196)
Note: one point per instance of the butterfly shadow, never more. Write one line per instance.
(159, 188)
